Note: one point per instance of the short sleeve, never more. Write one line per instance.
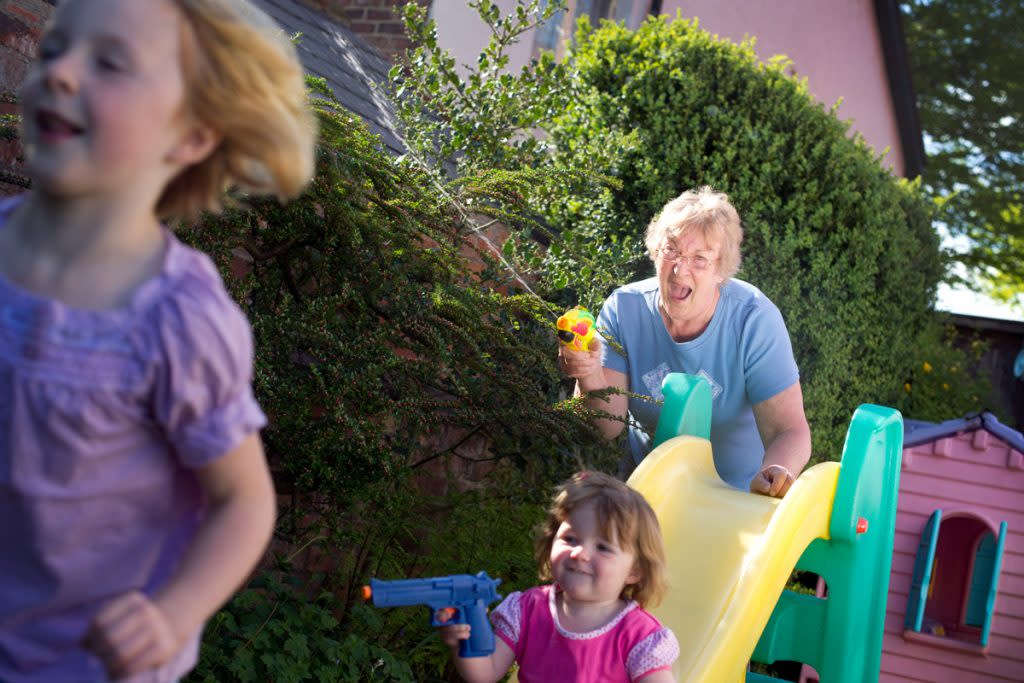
(656, 652)
(507, 619)
(608, 328)
(204, 399)
(769, 365)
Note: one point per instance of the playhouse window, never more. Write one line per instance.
(956, 575)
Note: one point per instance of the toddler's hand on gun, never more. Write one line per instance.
(131, 634)
(451, 635)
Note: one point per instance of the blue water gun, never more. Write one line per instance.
(455, 599)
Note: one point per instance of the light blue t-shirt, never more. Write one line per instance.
(745, 355)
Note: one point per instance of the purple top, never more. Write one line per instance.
(104, 418)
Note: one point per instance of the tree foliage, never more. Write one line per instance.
(416, 420)
(966, 58)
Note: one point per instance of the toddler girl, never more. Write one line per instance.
(134, 493)
(602, 547)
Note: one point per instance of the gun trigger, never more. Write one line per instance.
(445, 614)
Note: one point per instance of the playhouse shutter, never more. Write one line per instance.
(981, 578)
(993, 586)
(922, 572)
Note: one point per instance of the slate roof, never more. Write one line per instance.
(916, 432)
(348, 64)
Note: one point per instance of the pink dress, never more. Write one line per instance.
(629, 647)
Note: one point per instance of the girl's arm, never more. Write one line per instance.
(133, 633)
(663, 676)
(478, 669)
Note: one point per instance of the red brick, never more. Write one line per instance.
(17, 35)
(12, 70)
(379, 14)
(35, 13)
(391, 27)
(354, 14)
(10, 153)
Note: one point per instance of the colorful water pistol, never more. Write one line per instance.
(576, 329)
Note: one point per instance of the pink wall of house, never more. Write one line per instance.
(834, 44)
(976, 473)
(460, 30)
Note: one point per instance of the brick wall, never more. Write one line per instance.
(378, 22)
(21, 22)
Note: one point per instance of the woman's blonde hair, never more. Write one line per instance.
(707, 212)
(625, 516)
(243, 79)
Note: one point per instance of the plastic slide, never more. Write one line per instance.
(730, 553)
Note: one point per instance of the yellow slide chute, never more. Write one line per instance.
(730, 553)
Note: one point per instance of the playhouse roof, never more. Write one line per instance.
(916, 432)
(353, 70)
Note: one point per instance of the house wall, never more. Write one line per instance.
(378, 22)
(834, 44)
(460, 30)
(979, 473)
(21, 23)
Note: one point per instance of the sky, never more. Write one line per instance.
(971, 301)
(966, 302)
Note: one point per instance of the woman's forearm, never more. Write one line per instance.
(790, 449)
(613, 404)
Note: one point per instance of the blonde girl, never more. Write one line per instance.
(134, 492)
(601, 547)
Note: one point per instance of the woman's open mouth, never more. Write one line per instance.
(679, 294)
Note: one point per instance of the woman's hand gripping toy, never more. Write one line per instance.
(576, 329)
(579, 355)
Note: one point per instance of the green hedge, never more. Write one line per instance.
(845, 249)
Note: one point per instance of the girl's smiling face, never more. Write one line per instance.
(589, 567)
(103, 105)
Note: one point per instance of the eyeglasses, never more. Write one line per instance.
(674, 256)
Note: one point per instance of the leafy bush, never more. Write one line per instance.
(844, 249)
(946, 380)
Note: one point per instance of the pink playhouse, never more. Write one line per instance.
(956, 594)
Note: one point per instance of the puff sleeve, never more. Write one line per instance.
(203, 398)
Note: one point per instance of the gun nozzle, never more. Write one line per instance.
(367, 593)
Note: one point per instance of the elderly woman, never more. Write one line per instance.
(694, 317)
